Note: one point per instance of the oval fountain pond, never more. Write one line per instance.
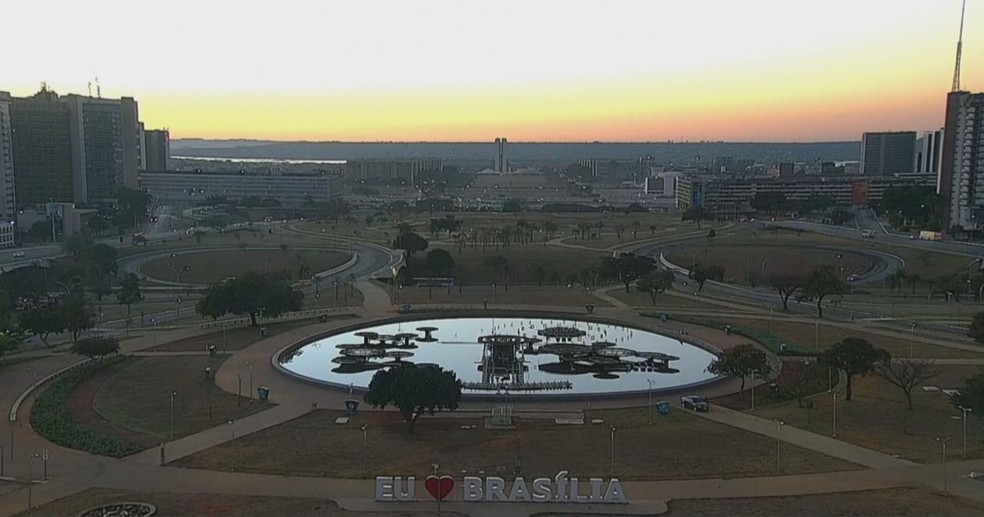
(516, 357)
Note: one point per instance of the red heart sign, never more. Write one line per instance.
(439, 487)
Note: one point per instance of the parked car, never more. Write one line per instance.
(695, 403)
(18, 254)
(853, 278)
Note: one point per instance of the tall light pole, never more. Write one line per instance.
(30, 479)
(834, 427)
(752, 389)
(965, 410)
(779, 424)
(249, 365)
(154, 322)
(173, 394)
(613, 449)
(912, 337)
(232, 424)
(651, 383)
(365, 469)
(942, 441)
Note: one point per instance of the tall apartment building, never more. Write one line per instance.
(42, 149)
(961, 178)
(105, 148)
(884, 154)
(157, 149)
(929, 152)
(501, 164)
(8, 206)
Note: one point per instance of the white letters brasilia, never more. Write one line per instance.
(492, 489)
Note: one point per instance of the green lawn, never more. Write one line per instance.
(213, 266)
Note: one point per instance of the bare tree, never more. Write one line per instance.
(906, 374)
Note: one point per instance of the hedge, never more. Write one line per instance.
(51, 418)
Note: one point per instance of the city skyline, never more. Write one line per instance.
(760, 71)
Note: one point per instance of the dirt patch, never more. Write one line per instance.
(896, 501)
(81, 405)
(313, 445)
(877, 417)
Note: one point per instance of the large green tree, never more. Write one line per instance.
(787, 286)
(695, 214)
(855, 357)
(132, 207)
(740, 362)
(410, 242)
(252, 293)
(976, 329)
(822, 282)
(42, 322)
(971, 395)
(415, 390)
(129, 292)
(655, 282)
(626, 267)
(77, 314)
(96, 347)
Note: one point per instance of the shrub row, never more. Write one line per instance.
(51, 418)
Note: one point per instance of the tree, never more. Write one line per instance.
(976, 329)
(855, 356)
(415, 390)
(42, 322)
(77, 315)
(741, 361)
(96, 347)
(695, 214)
(839, 217)
(410, 242)
(822, 282)
(655, 282)
(129, 292)
(787, 286)
(971, 395)
(512, 205)
(701, 274)
(133, 206)
(440, 261)
(216, 221)
(252, 293)
(768, 202)
(11, 339)
(711, 234)
(906, 374)
(626, 267)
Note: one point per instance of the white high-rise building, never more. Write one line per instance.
(929, 152)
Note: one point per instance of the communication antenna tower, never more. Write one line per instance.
(956, 68)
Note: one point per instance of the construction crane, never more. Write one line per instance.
(956, 68)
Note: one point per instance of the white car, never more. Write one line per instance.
(18, 254)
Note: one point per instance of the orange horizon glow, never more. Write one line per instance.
(765, 70)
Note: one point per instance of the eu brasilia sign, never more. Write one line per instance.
(492, 489)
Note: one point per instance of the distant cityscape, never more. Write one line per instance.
(67, 156)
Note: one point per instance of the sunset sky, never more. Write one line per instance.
(755, 70)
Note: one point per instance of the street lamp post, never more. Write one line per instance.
(30, 479)
(834, 427)
(965, 410)
(651, 383)
(153, 321)
(779, 424)
(912, 337)
(173, 394)
(249, 365)
(365, 468)
(752, 389)
(232, 424)
(612, 428)
(942, 441)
